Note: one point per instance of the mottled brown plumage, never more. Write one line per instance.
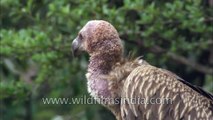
(115, 81)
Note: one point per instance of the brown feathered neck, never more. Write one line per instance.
(103, 62)
(99, 67)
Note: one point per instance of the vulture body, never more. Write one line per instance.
(134, 89)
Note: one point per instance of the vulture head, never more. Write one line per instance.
(101, 41)
(98, 37)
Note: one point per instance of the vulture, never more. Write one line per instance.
(132, 89)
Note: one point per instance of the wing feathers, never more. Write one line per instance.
(150, 83)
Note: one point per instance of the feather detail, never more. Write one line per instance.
(184, 98)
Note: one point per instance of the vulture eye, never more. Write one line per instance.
(80, 36)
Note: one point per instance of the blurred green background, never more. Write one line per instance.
(36, 60)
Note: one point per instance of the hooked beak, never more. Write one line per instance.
(75, 47)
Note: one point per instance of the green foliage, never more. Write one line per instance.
(36, 61)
